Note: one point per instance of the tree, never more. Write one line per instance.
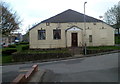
(10, 21)
(112, 16)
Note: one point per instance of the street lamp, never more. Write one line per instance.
(101, 18)
(85, 50)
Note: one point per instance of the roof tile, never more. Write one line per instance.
(70, 16)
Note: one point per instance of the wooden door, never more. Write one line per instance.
(74, 40)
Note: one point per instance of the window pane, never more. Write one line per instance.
(41, 34)
(90, 38)
(57, 34)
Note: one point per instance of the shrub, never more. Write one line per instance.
(25, 47)
(93, 51)
(17, 57)
(12, 46)
(8, 51)
(24, 43)
(117, 39)
(7, 59)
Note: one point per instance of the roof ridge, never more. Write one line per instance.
(70, 16)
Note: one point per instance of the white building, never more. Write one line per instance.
(68, 29)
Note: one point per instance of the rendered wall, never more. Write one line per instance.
(102, 34)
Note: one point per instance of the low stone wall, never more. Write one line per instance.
(24, 78)
(20, 57)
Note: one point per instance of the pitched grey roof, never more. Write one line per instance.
(70, 16)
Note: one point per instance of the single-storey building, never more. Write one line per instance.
(70, 29)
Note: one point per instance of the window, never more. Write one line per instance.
(90, 38)
(102, 27)
(57, 34)
(88, 28)
(41, 34)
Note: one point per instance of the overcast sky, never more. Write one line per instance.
(34, 11)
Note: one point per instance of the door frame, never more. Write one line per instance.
(74, 39)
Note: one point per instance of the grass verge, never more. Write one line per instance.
(7, 59)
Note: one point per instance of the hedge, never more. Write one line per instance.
(12, 46)
(8, 51)
(21, 48)
(93, 51)
(25, 47)
(18, 57)
(24, 43)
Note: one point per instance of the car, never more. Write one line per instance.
(16, 41)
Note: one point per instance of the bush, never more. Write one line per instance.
(25, 47)
(7, 59)
(8, 51)
(93, 51)
(12, 46)
(117, 39)
(18, 57)
(24, 43)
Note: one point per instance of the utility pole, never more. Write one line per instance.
(85, 50)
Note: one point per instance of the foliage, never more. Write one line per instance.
(112, 16)
(117, 39)
(21, 48)
(15, 48)
(101, 49)
(38, 56)
(12, 46)
(25, 47)
(26, 37)
(10, 21)
(45, 51)
(8, 51)
(24, 43)
(7, 59)
(104, 47)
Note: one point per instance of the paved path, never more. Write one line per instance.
(102, 68)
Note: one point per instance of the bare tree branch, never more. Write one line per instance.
(112, 16)
(10, 21)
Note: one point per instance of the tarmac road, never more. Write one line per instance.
(92, 69)
(102, 68)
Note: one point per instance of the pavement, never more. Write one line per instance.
(103, 68)
(38, 76)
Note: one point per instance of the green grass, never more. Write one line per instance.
(19, 47)
(7, 59)
(7, 48)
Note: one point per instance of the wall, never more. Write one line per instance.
(100, 36)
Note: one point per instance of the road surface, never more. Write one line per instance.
(102, 68)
